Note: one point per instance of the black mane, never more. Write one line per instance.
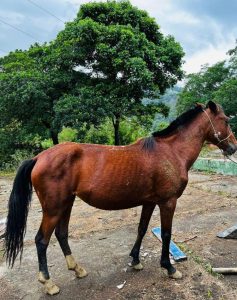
(183, 119)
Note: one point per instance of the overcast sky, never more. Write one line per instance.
(206, 29)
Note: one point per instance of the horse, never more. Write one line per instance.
(152, 171)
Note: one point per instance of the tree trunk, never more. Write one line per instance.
(54, 137)
(53, 133)
(116, 130)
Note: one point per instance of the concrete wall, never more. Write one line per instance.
(221, 166)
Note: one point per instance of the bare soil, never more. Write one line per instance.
(101, 242)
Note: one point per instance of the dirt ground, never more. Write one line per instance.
(101, 242)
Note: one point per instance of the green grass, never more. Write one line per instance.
(205, 151)
(209, 294)
(208, 172)
(199, 260)
(1, 254)
(7, 174)
(223, 193)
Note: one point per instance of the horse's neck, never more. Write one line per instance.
(189, 140)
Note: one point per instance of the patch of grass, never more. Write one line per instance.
(208, 172)
(209, 294)
(1, 253)
(223, 193)
(199, 260)
(7, 174)
(205, 151)
(204, 172)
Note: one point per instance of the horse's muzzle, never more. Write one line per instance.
(231, 149)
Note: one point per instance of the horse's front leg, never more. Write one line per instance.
(166, 213)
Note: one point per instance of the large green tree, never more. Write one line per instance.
(201, 86)
(124, 54)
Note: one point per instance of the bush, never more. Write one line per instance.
(68, 135)
(102, 134)
(16, 159)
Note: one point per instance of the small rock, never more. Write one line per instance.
(125, 269)
(120, 286)
(51, 265)
(172, 261)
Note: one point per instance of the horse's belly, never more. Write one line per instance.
(108, 204)
(113, 199)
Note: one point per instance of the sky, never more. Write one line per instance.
(206, 29)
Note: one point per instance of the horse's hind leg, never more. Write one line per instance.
(42, 240)
(146, 214)
(61, 233)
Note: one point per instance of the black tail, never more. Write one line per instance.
(18, 207)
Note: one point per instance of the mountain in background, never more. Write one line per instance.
(170, 99)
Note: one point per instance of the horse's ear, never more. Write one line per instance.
(199, 104)
(212, 105)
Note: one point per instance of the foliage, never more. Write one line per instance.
(13, 138)
(29, 90)
(218, 82)
(227, 97)
(68, 135)
(18, 60)
(46, 143)
(102, 134)
(16, 159)
(201, 86)
(81, 110)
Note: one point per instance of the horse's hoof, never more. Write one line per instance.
(139, 266)
(71, 263)
(51, 288)
(41, 277)
(176, 275)
(80, 272)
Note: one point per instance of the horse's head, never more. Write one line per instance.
(220, 133)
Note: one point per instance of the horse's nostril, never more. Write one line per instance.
(233, 148)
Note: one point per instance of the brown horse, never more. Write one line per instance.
(153, 171)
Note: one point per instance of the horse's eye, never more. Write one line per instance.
(227, 122)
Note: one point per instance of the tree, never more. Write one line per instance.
(227, 97)
(124, 54)
(201, 86)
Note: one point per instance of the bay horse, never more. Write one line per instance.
(152, 171)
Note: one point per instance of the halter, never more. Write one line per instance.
(216, 134)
